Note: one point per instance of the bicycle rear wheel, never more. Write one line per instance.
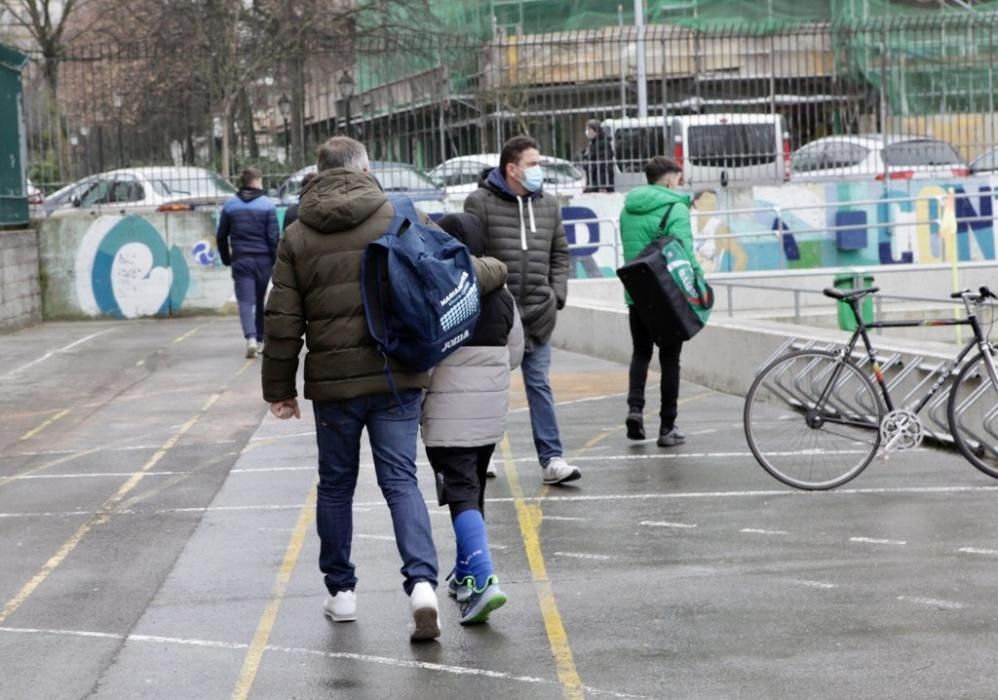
(804, 444)
(973, 416)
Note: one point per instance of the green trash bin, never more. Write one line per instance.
(13, 195)
(849, 280)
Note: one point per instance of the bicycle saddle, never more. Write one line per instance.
(847, 295)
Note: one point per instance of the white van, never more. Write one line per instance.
(713, 149)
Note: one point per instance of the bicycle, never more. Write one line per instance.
(841, 415)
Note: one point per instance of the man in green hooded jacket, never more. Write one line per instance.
(645, 209)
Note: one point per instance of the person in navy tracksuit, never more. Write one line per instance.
(247, 240)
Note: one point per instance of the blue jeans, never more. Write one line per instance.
(536, 369)
(392, 430)
(251, 275)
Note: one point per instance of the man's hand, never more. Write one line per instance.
(285, 409)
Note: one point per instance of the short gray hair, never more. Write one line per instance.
(342, 152)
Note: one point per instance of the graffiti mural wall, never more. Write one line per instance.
(131, 266)
(816, 225)
(163, 264)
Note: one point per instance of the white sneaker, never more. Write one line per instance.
(423, 604)
(490, 471)
(250, 347)
(341, 607)
(558, 471)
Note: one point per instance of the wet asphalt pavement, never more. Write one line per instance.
(157, 541)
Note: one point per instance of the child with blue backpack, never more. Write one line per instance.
(464, 417)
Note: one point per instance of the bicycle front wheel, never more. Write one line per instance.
(973, 415)
(812, 419)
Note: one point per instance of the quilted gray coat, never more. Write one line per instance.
(527, 234)
(468, 398)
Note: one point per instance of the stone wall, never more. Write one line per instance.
(20, 289)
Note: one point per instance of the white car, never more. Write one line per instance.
(985, 163)
(460, 176)
(160, 187)
(878, 157)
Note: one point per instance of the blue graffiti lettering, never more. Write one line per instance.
(966, 224)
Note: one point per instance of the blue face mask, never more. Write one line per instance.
(533, 178)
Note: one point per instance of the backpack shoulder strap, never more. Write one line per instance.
(665, 219)
(404, 208)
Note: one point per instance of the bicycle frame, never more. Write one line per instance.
(979, 341)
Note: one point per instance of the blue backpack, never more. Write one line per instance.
(419, 290)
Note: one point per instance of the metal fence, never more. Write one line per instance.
(730, 105)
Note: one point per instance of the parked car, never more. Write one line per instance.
(711, 148)
(34, 194)
(985, 163)
(877, 156)
(160, 187)
(459, 176)
(400, 178)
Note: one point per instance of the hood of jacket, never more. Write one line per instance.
(497, 183)
(467, 229)
(650, 198)
(248, 194)
(339, 199)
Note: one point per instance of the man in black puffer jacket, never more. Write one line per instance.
(523, 229)
(247, 240)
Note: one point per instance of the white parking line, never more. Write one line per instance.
(759, 531)
(663, 523)
(763, 493)
(299, 651)
(582, 555)
(976, 550)
(934, 602)
(814, 584)
(29, 477)
(876, 540)
(260, 470)
(566, 518)
(380, 538)
(51, 353)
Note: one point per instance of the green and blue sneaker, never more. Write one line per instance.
(480, 604)
(461, 589)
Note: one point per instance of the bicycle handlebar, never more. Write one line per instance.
(980, 295)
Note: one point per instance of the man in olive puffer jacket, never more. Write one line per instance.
(523, 229)
(317, 293)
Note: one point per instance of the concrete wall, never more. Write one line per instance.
(20, 292)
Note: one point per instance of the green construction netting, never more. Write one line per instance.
(539, 16)
(923, 57)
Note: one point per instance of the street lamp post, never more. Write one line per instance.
(99, 119)
(84, 133)
(284, 105)
(347, 86)
(118, 101)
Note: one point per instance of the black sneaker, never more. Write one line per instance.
(635, 426)
(671, 438)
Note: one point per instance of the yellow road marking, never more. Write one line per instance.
(101, 517)
(187, 335)
(54, 462)
(529, 517)
(251, 664)
(48, 421)
(246, 366)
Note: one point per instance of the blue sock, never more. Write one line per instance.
(473, 547)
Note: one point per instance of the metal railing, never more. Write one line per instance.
(730, 103)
